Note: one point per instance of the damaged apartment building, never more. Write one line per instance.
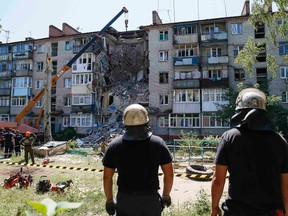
(179, 71)
(111, 74)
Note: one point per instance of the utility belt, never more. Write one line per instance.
(139, 193)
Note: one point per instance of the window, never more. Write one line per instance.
(22, 82)
(67, 82)
(4, 101)
(82, 99)
(184, 30)
(4, 117)
(164, 99)
(239, 74)
(211, 120)
(283, 48)
(185, 120)
(66, 121)
(236, 50)
(186, 95)
(260, 30)
(38, 84)
(163, 77)
(284, 72)
(215, 52)
(3, 50)
(214, 74)
(285, 97)
(82, 79)
(40, 48)
(39, 103)
(83, 120)
(3, 66)
(67, 101)
(163, 35)
(163, 121)
(54, 49)
(19, 101)
(236, 28)
(39, 66)
(163, 56)
(68, 45)
(213, 95)
(186, 52)
(54, 67)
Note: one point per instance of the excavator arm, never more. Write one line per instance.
(66, 67)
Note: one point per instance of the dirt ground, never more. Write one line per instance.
(184, 189)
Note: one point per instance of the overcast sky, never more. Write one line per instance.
(31, 18)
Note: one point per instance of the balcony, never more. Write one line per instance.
(5, 92)
(180, 61)
(186, 107)
(81, 109)
(211, 37)
(218, 60)
(23, 55)
(215, 82)
(186, 83)
(185, 39)
(4, 109)
(23, 73)
(7, 75)
(5, 57)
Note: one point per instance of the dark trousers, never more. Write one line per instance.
(8, 150)
(17, 150)
(28, 150)
(264, 214)
(138, 204)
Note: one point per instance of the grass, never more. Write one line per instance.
(86, 188)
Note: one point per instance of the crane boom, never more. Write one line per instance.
(66, 67)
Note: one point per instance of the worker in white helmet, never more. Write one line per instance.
(256, 158)
(137, 156)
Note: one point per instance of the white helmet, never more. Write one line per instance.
(251, 98)
(134, 115)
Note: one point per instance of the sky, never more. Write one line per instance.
(31, 18)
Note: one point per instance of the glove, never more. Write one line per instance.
(110, 207)
(166, 200)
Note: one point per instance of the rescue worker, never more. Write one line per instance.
(137, 156)
(17, 147)
(256, 158)
(28, 142)
(8, 143)
(2, 132)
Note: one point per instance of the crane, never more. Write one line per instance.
(66, 67)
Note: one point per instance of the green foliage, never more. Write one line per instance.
(202, 204)
(50, 208)
(66, 134)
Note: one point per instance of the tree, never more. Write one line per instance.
(277, 26)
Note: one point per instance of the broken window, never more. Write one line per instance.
(163, 77)
(54, 49)
(239, 74)
(260, 30)
(163, 121)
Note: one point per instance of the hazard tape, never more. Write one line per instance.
(191, 176)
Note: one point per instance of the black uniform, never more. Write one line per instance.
(8, 144)
(17, 147)
(137, 164)
(255, 160)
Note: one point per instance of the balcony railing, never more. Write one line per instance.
(214, 36)
(214, 82)
(5, 91)
(22, 55)
(186, 83)
(184, 39)
(4, 109)
(179, 61)
(7, 74)
(81, 108)
(23, 72)
(218, 60)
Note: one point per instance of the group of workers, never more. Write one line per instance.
(251, 151)
(12, 140)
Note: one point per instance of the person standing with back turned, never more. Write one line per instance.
(256, 158)
(137, 156)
